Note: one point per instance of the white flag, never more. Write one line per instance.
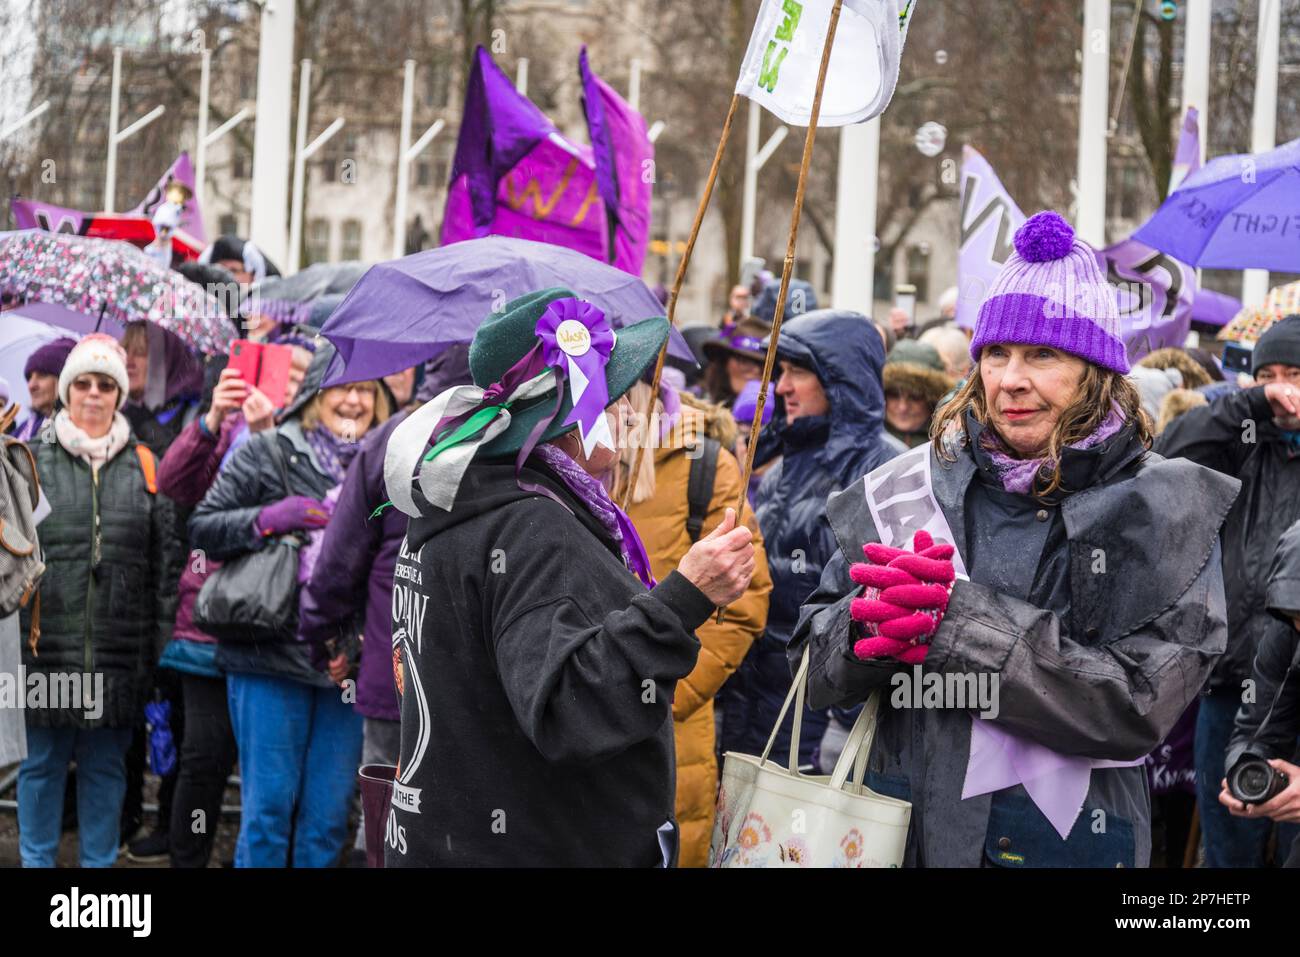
(785, 51)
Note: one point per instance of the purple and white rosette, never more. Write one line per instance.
(578, 338)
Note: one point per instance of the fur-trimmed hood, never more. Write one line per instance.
(918, 380)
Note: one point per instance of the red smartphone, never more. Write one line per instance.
(246, 356)
(273, 374)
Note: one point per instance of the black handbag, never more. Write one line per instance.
(253, 599)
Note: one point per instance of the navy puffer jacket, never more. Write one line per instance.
(820, 455)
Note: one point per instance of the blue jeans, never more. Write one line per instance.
(1229, 841)
(100, 754)
(299, 750)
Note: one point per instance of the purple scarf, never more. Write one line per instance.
(333, 453)
(1018, 475)
(612, 518)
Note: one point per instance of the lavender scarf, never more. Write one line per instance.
(612, 518)
(1018, 475)
(333, 453)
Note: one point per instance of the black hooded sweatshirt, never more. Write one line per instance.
(536, 677)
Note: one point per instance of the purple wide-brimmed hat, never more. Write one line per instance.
(1052, 292)
(743, 338)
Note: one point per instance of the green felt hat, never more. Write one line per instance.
(506, 337)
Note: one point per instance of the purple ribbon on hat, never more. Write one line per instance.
(732, 337)
(577, 338)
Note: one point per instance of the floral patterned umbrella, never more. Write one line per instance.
(1253, 321)
(109, 279)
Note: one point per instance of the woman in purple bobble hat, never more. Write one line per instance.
(1067, 599)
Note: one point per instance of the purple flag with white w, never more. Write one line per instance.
(1154, 291)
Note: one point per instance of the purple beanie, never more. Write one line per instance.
(49, 358)
(1052, 292)
(743, 408)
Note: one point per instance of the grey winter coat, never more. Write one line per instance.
(222, 526)
(1088, 662)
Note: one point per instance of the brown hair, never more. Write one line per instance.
(310, 417)
(1099, 391)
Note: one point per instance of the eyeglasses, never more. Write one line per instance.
(103, 386)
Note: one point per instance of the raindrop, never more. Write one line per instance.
(941, 57)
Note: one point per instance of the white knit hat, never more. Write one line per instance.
(99, 353)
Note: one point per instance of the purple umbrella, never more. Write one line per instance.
(406, 311)
(1236, 212)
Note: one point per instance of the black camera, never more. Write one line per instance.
(1236, 357)
(1253, 780)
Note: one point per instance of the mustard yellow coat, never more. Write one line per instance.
(661, 522)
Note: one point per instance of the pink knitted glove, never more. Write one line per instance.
(904, 598)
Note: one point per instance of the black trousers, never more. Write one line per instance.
(208, 755)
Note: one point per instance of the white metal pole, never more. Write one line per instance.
(299, 167)
(110, 166)
(634, 87)
(403, 167)
(271, 139)
(23, 120)
(201, 135)
(425, 139)
(1263, 128)
(1093, 122)
(758, 161)
(853, 276)
(1196, 63)
(141, 123)
(227, 126)
(521, 76)
(656, 130)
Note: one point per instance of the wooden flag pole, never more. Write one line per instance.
(672, 297)
(786, 269)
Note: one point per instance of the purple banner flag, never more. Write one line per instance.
(515, 175)
(32, 214)
(182, 172)
(135, 226)
(1155, 294)
(1187, 156)
(989, 218)
(624, 167)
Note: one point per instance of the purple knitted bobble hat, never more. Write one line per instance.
(1052, 292)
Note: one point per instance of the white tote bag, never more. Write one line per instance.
(770, 816)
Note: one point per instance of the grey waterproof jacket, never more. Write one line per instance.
(1100, 615)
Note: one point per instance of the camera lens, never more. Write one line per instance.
(1252, 781)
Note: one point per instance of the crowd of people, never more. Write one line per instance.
(573, 705)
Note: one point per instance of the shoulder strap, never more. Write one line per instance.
(271, 438)
(149, 466)
(8, 416)
(699, 488)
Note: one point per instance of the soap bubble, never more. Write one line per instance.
(930, 138)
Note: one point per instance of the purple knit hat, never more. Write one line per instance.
(49, 358)
(1052, 292)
